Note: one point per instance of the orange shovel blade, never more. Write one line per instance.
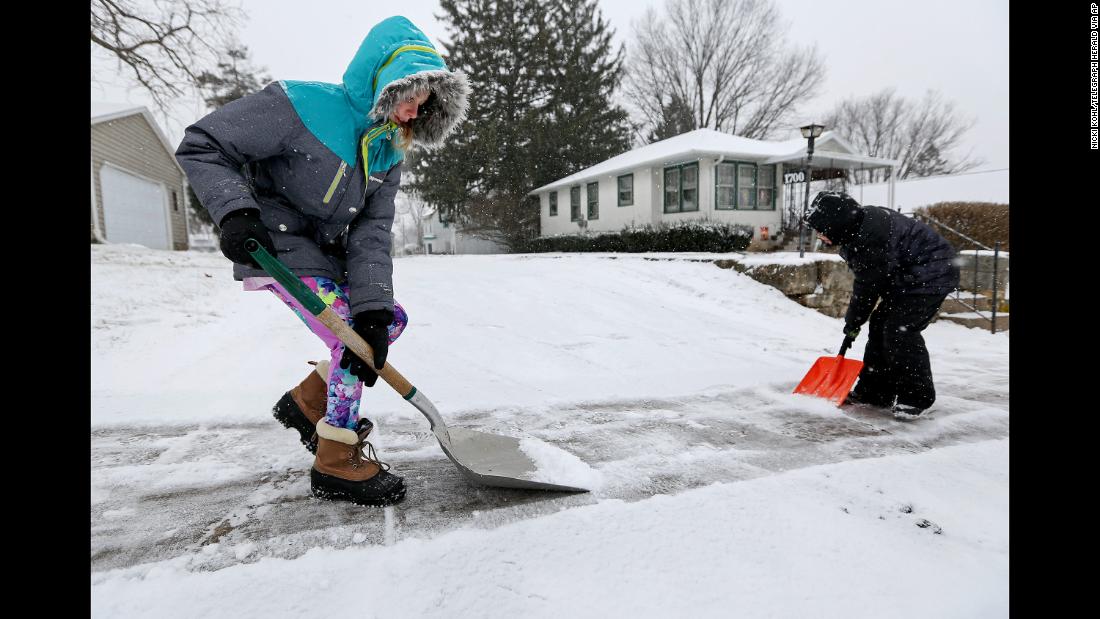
(831, 378)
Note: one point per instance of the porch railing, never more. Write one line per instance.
(996, 249)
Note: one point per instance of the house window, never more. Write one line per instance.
(725, 186)
(744, 186)
(553, 203)
(682, 188)
(575, 203)
(175, 201)
(626, 190)
(593, 200)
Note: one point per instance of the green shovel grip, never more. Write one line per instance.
(293, 285)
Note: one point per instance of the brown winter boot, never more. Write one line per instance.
(303, 406)
(343, 472)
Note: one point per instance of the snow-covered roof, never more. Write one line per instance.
(105, 111)
(980, 186)
(710, 143)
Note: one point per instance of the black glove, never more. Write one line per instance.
(238, 227)
(851, 331)
(371, 325)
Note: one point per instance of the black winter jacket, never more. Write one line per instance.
(896, 255)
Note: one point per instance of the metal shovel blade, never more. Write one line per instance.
(831, 378)
(482, 458)
(493, 460)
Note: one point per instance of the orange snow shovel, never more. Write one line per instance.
(831, 377)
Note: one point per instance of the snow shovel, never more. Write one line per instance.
(481, 457)
(831, 377)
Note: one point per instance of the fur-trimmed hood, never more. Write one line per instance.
(438, 116)
(394, 61)
(397, 60)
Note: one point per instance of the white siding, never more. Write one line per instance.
(756, 219)
(612, 216)
(449, 240)
(648, 207)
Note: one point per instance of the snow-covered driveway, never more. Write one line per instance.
(665, 376)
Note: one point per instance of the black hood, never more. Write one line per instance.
(836, 215)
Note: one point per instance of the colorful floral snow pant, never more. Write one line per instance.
(344, 389)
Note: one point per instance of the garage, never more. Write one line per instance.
(138, 195)
(134, 209)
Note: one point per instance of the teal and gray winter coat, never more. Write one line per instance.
(320, 161)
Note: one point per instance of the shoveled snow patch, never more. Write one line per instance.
(557, 466)
(902, 536)
(118, 513)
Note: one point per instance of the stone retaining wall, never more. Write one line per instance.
(824, 285)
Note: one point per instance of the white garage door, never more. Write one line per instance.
(133, 209)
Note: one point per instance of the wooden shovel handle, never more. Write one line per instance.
(329, 318)
(352, 340)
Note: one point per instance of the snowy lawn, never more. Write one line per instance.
(722, 493)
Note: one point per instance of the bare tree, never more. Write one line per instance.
(728, 60)
(165, 44)
(918, 134)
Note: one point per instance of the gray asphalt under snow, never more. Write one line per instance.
(642, 448)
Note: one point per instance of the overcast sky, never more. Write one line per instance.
(959, 47)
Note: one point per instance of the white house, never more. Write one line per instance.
(702, 174)
(443, 237)
(137, 187)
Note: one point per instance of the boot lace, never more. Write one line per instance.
(369, 454)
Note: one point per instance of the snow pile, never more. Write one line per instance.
(557, 466)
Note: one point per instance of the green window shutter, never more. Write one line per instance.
(554, 203)
(575, 203)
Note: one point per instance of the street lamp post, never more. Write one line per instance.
(810, 132)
